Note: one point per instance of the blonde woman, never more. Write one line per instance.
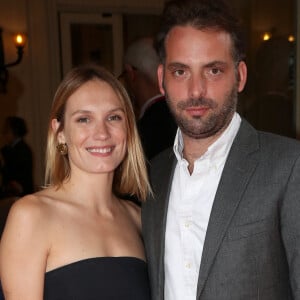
(77, 238)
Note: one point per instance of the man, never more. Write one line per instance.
(155, 123)
(17, 159)
(223, 223)
(273, 94)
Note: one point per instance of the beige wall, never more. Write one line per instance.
(19, 99)
(13, 19)
(29, 89)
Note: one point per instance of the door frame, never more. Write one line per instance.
(114, 19)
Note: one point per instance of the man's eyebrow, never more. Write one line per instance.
(173, 65)
(216, 63)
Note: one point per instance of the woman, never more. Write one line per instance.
(77, 239)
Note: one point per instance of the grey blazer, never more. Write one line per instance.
(252, 244)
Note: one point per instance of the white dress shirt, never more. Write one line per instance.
(190, 203)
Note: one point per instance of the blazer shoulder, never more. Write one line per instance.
(161, 169)
(276, 143)
(251, 139)
(162, 158)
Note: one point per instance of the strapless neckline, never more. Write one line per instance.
(99, 278)
(103, 258)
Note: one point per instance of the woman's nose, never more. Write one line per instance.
(101, 131)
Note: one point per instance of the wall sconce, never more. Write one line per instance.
(291, 38)
(266, 36)
(19, 41)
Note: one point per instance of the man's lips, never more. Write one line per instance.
(197, 110)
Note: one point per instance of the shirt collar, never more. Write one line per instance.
(217, 149)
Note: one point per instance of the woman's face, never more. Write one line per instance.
(94, 128)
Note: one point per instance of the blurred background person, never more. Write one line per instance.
(77, 238)
(156, 126)
(16, 159)
(273, 107)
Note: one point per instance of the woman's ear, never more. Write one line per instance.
(55, 126)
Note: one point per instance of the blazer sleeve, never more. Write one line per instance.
(290, 227)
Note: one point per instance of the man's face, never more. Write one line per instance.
(201, 80)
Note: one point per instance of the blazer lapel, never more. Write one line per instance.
(238, 169)
(162, 181)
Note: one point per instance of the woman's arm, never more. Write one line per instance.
(24, 250)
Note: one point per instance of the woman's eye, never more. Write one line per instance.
(83, 120)
(114, 118)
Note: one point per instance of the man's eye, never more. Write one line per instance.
(179, 73)
(114, 118)
(215, 71)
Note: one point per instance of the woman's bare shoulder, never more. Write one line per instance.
(134, 211)
(26, 207)
(30, 209)
(31, 203)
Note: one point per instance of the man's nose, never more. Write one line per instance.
(197, 86)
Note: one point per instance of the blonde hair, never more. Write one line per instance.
(130, 177)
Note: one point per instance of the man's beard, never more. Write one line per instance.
(202, 127)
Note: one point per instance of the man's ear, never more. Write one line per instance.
(55, 126)
(242, 75)
(160, 77)
(130, 71)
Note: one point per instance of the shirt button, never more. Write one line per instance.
(188, 265)
(215, 168)
(187, 224)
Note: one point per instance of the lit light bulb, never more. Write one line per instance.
(19, 40)
(266, 36)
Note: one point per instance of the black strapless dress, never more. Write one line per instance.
(99, 278)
